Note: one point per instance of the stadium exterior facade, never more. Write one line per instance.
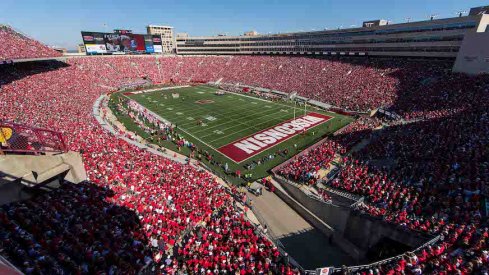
(441, 38)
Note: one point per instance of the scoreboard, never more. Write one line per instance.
(120, 42)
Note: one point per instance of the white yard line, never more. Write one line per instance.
(238, 132)
(209, 112)
(212, 89)
(232, 120)
(254, 126)
(183, 130)
(204, 110)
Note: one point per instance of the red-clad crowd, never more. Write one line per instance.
(17, 46)
(432, 175)
(352, 84)
(305, 168)
(428, 172)
(158, 210)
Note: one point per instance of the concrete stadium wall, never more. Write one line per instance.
(46, 166)
(19, 172)
(365, 231)
(333, 215)
(319, 224)
(354, 232)
(473, 56)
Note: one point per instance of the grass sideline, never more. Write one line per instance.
(227, 118)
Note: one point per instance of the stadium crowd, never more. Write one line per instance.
(17, 46)
(305, 168)
(428, 172)
(181, 217)
(432, 175)
(355, 84)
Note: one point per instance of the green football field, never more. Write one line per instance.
(212, 121)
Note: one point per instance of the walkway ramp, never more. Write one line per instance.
(307, 245)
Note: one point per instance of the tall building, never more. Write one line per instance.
(167, 38)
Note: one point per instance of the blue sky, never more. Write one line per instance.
(59, 22)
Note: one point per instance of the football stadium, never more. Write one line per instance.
(226, 125)
(361, 150)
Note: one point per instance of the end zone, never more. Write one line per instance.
(254, 144)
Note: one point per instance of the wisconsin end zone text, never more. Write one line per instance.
(247, 147)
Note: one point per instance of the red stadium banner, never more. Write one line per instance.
(254, 144)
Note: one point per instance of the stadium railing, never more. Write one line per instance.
(357, 268)
(17, 138)
(7, 267)
(358, 201)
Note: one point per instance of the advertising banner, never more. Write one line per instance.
(158, 48)
(157, 45)
(95, 48)
(124, 42)
(148, 43)
(98, 42)
(93, 38)
(137, 43)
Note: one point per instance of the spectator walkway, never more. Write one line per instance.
(300, 239)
